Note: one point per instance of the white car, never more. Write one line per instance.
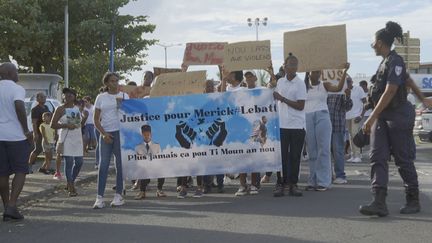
(31, 102)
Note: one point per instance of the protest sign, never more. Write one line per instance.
(181, 83)
(158, 70)
(135, 91)
(317, 48)
(247, 55)
(204, 53)
(202, 134)
(333, 76)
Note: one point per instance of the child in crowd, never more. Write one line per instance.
(48, 142)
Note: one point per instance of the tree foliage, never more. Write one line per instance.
(33, 34)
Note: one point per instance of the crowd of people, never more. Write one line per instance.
(318, 117)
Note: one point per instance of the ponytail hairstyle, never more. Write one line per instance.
(389, 33)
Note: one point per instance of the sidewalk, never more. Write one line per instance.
(38, 185)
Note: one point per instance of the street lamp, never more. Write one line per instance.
(257, 22)
(165, 46)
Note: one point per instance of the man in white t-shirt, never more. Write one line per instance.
(15, 139)
(353, 118)
(290, 94)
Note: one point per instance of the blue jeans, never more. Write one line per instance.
(71, 168)
(106, 150)
(338, 147)
(97, 150)
(318, 138)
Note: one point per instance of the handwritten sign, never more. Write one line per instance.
(317, 48)
(204, 53)
(158, 70)
(247, 55)
(181, 83)
(135, 91)
(333, 76)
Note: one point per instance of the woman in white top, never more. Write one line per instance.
(318, 129)
(107, 122)
(67, 119)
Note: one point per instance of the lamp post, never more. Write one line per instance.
(165, 46)
(257, 22)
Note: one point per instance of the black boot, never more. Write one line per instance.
(12, 213)
(412, 202)
(378, 205)
(294, 191)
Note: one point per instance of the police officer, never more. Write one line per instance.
(390, 125)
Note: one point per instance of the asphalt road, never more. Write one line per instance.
(329, 216)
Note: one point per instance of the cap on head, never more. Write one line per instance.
(250, 72)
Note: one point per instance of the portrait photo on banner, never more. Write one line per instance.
(200, 134)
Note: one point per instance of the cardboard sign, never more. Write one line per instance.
(317, 48)
(181, 83)
(333, 76)
(247, 55)
(204, 53)
(135, 92)
(158, 70)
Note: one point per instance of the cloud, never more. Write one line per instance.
(204, 20)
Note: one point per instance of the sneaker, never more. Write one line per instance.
(340, 181)
(198, 193)
(160, 193)
(241, 191)
(117, 201)
(279, 191)
(43, 171)
(179, 188)
(57, 176)
(356, 160)
(253, 190)
(227, 180)
(321, 188)
(182, 194)
(265, 179)
(99, 204)
(310, 188)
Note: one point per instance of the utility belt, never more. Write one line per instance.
(376, 91)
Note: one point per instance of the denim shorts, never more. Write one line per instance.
(14, 157)
(50, 147)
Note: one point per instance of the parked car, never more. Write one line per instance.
(31, 102)
(425, 128)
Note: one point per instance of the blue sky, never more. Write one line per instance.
(181, 21)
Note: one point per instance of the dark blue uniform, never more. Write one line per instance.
(392, 133)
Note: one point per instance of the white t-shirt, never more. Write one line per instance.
(368, 112)
(357, 94)
(294, 90)
(10, 127)
(235, 88)
(110, 114)
(90, 111)
(316, 98)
